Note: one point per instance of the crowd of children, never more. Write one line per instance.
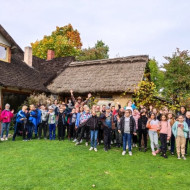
(128, 126)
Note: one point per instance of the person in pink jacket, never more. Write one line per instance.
(165, 134)
(136, 116)
(6, 116)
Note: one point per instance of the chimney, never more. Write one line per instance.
(28, 56)
(50, 55)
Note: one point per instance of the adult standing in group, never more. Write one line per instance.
(78, 102)
(6, 117)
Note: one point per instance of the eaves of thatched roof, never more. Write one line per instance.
(106, 75)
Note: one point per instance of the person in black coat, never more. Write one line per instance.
(142, 130)
(127, 127)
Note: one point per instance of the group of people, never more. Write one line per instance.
(127, 126)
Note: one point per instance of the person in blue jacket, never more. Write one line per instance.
(38, 121)
(20, 118)
(32, 121)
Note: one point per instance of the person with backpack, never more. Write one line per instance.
(20, 118)
(6, 117)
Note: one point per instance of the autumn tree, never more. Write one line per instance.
(99, 51)
(65, 41)
(177, 77)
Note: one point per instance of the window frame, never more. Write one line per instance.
(7, 52)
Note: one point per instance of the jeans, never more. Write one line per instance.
(52, 130)
(30, 130)
(172, 143)
(143, 132)
(94, 136)
(5, 127)
(163, 140)
(42, 126)
(22, 127)
(127, 137)
(153, 140)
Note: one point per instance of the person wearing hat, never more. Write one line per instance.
(78, 102)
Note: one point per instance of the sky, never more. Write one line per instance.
(139, 27)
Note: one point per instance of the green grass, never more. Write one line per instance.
(58, 165)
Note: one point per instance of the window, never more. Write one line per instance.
(3, 53)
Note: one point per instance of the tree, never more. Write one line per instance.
(156, 75)
(65, 41)
(177, 77)
(99, 51)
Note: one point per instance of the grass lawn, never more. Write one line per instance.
(44, 164)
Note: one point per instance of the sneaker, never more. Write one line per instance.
(115, 141)
(74, 140)
(77, 143)
(38, 138)
(165, 156)
(172, 153)
(86, 143)
(2, 139)
(91, 148)
(154, 153)
(111, 142)
(95, 149)
(123, 153)
(6, 139)
(101, 141)
(133, 146)
(178, 157)
(130, 153)
(105, 149)
(184, 158)
(169, 148)
(81, 141)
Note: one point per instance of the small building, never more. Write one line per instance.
(109, 80)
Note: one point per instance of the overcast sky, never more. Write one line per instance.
(153, 27)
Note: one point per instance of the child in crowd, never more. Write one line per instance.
(153, 126)
(127, 128)
(107, 122)
(43, 124)
(84, 128)
(117, 120)
(32, 120)
(72, 116)
(180, 131)
(93, 122)
(165, 134)
(136, 116)
(51, 122)
(187, 119)
(171, 120)
(61, 123)
(6, 116)
(142, 130)
(20, 117)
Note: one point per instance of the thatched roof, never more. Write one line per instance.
(107, 75)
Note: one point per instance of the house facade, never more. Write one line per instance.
(109, 80)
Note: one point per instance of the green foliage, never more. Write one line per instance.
(156, 75)
(99, 51)
(177, 77)
(65, 41)
(58, 165)
(146, 94)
